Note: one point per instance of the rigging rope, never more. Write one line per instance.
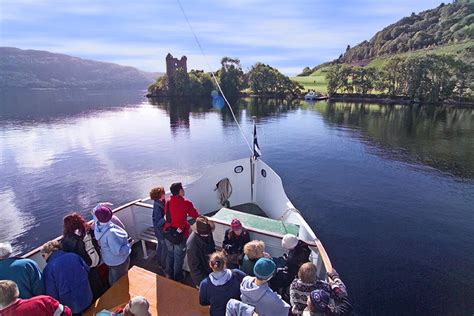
(213, 76)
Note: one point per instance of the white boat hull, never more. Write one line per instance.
(267, 192)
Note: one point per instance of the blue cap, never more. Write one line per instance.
(264, 268)
(320, 299)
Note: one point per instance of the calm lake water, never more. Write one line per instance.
(388, 189)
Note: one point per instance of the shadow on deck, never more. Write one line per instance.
(151, 263)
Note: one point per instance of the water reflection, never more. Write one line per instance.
(179, 110)
(340, 162)
(33, 106)
(440, 137)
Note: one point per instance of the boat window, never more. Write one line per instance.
(238, 169)
(264, 173)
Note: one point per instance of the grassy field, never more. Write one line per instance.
(317, 80)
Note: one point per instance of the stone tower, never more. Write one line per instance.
(174, 63)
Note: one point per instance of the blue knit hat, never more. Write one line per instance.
(264, 268)
(320, 300)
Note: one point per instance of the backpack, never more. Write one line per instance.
(92, 250)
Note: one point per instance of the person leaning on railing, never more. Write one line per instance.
(113, 240)
(24, 272)
(330, 299)
(66, 277)
(176, 230)
(157, 194)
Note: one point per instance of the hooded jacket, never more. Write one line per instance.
(25, 273)
(113, 241)
(265, 301)
(66, 279)
(218, 288)
(237, 308)
(198, 249)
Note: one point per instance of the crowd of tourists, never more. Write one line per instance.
(240, 278)
(73, 276)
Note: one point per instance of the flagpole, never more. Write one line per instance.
(252, 163)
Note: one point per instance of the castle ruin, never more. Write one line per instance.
(174, 63)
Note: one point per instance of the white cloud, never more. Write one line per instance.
(287, 34)
(14, 222)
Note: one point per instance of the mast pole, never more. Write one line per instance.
(253, 159)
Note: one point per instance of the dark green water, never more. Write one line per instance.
(388, 189)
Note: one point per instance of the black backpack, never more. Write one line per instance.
(171, 234)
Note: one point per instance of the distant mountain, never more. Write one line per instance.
(41, 69)
(446, 29)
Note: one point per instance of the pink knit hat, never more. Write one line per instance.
(235, 224)
(103, 213)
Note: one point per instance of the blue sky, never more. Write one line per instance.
(288, 35)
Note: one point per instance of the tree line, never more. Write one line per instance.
(428, 78)
(260, 79)
(446, 24)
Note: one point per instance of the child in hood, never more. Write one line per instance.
(256, 291)
(113, 240)
(221, 285)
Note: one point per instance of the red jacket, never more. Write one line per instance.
(37, 305)
(180, 209)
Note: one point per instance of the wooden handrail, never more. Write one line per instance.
(324, 255)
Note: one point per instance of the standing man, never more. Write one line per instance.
(176, 229)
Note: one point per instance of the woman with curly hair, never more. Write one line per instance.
(76, 231)
(157, 194)
(253, 251)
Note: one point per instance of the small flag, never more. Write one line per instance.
(256, 149)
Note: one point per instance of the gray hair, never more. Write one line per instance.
(5, 250)
(8, 292)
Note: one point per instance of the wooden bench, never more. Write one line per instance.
(147, 235)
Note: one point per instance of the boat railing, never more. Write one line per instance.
(273, 245)
(272, 240)
(35, 254)
(137, 217)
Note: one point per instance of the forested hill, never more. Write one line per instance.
(41, 69)
(447, 29)
(446, 24)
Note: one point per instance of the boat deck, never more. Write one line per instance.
(160, 292)
(151, 263)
